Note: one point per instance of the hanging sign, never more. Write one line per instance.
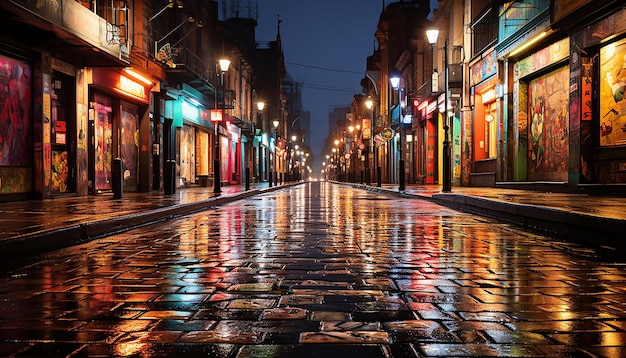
(384, 135)
(217, 115)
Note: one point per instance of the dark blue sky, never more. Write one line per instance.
(326, 44)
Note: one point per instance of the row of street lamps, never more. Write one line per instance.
(432, 36)
(395, 82)
(224, 65)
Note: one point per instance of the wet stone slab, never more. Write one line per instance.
(347, 337)
(318, 271)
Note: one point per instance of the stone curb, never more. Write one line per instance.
(605, 233)
(47, 240)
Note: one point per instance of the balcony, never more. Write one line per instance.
(183, 65)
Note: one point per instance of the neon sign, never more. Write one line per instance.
(131, 87)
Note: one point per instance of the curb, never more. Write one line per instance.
(47, 240)
(600, 232)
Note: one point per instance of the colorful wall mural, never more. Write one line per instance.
(15, 113)
(129, 146)
(103, 143)
(15, 126)
(612, 101)
(548, 128)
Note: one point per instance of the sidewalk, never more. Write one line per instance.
(596, 220)
(34, 226)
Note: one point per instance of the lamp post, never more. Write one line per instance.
(395, 83)
(292, 176)
(447, 155)
(217, 176)
(370, 105)
(326, 165)
(337, 162)
(259, 172)
(274, 174)
(344, 167)
(330, 173)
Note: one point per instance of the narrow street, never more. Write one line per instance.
(317, 270)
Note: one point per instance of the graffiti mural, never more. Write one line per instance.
(130, 144)
(60, 171)
(548, 118)
(15, 107)
(103, 143)
(612, 88)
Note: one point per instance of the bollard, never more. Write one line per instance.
(247, 178)
(117, 178)
(379, 173)
(169, 177)
(402, 174)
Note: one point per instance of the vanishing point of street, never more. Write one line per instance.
(317, 269)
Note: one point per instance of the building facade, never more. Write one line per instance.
(534, 94)
(119, 96)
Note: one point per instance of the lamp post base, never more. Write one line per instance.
(401, 185)
(217, 187)
(447, 179)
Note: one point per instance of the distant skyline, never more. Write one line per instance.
(326, 44)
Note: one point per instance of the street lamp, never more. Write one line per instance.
(258, 165)
(217, 177)
(337, 162)
(368, 174)
(274, 174)
(395, 83)
(447, 159)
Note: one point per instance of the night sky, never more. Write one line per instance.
(326, 44)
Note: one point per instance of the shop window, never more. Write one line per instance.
(103, 140)
(202, 153)
(548, 136)
(491, 131)
(15, 122)
(187, 155)
(612, 129)
(129, 145)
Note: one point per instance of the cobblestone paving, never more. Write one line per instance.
(317, 270)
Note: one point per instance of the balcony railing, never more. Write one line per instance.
(485, 30)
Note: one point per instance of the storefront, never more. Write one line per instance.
(427, 142)
(264, 157)
(43, 96)
(193, 138)
(118, 107)
(485, 123)
(232, 150)
(611, 128)
(542, 80)
(16, 126)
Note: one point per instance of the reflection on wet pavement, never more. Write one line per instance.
(318, 270)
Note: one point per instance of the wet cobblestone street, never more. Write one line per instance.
(317, 270)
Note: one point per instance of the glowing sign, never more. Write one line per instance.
(190, 111)
(216, 115)
(131, 87)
